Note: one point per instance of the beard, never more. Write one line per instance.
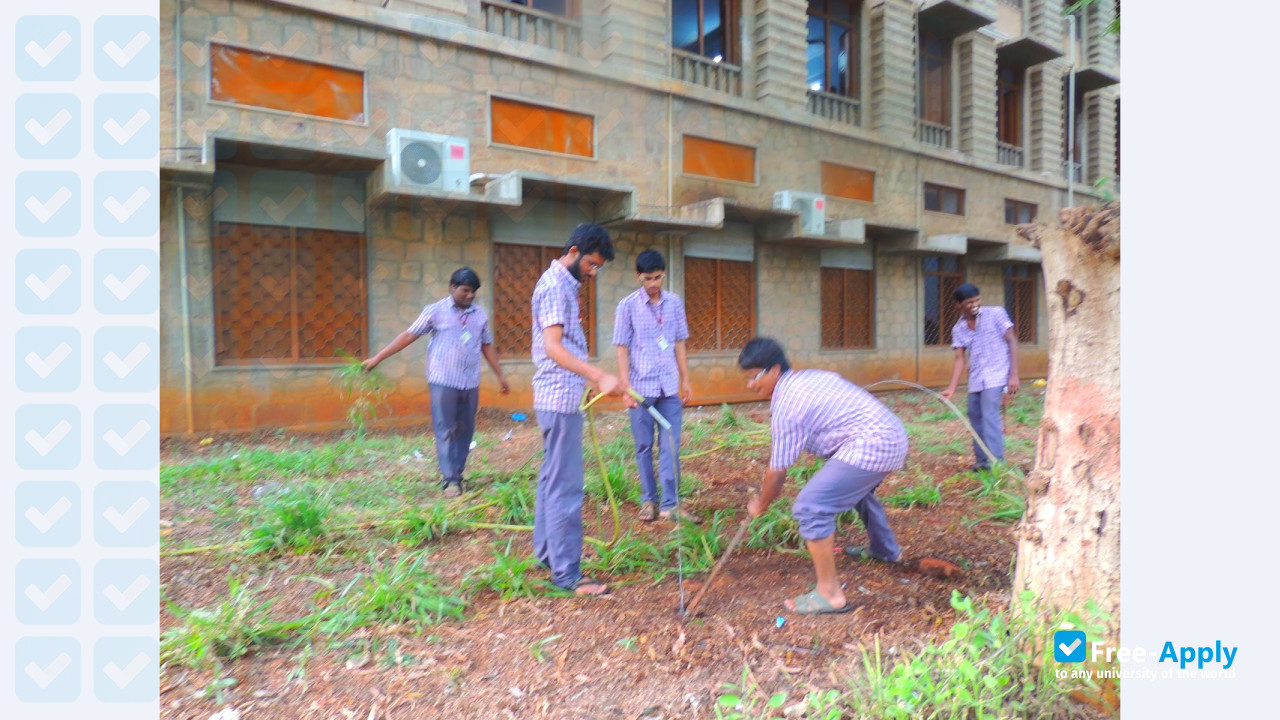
(575, 269)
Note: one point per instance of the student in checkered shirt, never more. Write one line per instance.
(649, 331)
(460, 335)
(992, 341)
(562, 371)
(861, 440)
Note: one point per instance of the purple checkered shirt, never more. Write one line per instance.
(638, 325)
(453, 356)
(555, 302)
(819, 411)
(988, 350)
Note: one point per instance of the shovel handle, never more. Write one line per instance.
(733, 545)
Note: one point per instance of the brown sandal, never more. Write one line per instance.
(648, 512)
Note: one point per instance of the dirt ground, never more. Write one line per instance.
(629, 655)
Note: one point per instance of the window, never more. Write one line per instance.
(720, 302)
(712, 158)
(249, 77)
(834, 49)
(516, 269)
(541, 128)
(940, 198)
(848, 182)
(1020, 282)
(935, 78)
(942, 275)
(554, 7)
(1009, 93)
(848, 308)
(287, 295)
(706, 27)
(1017, 212)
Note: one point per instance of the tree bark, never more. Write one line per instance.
(1069, 538)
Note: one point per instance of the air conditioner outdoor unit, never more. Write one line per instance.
(811, 206)
(429, 161)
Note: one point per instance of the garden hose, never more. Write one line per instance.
(949, 404)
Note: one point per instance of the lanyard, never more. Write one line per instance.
(657, 314)
(462, 316)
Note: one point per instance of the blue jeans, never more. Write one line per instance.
(642, 428)
(453, 417)
(839, 487)
(557, 512)
(984, 415)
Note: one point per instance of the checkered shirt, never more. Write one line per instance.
(819, 411)
(555, 302)
(638, 325)
(451, 360)
(988, 350)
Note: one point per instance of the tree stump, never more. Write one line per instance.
(1069, 538)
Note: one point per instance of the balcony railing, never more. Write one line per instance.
(1007, 154)
(1012, 3)
(835, 107)
(931, 133)
(535, 26)
(699, 70)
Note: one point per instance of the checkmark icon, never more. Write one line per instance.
(124, 133)
(1068, 649)
(44, 598)
(46, 210)
(44, 521)
(122, 445)
(123, 677)
(44, 288)
(47, 54)
(279, 211)
(1069, 646)
(124, 289)
(122, 522)
(124, 599)
(123, 367)
(123, 55)
(44, 444)
(44, 676)
(45, 133)
(44, 366)
(124, 211)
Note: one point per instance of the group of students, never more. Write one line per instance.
(817, 411)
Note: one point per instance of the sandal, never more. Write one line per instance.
(862, 552)
(813, 603)
(584, 581)
(677, 513)
(452, 488)
(648, 512)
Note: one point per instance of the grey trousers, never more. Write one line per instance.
(557, 513)
(839, 487)
(984, 415)
(642, 428)
(453, 416)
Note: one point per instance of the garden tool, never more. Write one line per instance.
(728, 552)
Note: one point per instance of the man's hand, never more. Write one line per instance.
(369, 364)
(629, 401)
(1014, 384)
(686, 392)
(946, 394)
(610, 384)
(755, 507)
(505, 387)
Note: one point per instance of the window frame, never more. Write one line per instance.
(572, 9)
(948, 309)
(854, 28)
(944, 60)
(729, 18)
(1018, 279)
(942, 190)
(844, 277)
(720, 345)
(1009, 98)
(1015, 205)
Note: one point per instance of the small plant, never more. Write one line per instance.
(535, 648)
(746, 701)
(206, 637)
(421, 526)
(926, 492)
(625, 484)
(366, 391)
(1002, 488)
(1026, 409)
(728, 418)
(699, 545)
(800, 473)
(629, 554)
(775, 528)
(511, 576)
(514, 498)
(403, 593)
(627, 643)
(290, 521)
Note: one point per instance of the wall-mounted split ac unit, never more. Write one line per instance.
(811, 206)
(428, 161)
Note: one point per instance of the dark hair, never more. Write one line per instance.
(762, 353)
(590, 238)
(650, 261)
(465, 276)
(966, 291)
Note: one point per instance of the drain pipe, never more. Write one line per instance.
(185, 305)
(1071, 111)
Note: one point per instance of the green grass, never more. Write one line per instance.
(510, 575)
(924, 492)
(400, 593)
(1002, 491)
(290, 520)
(423, 525)
(801, 472)
(623, 479)
(629, 554)
(514, 498)
(1026, 409)
(206, 637)
(775, 528)
(699, 545)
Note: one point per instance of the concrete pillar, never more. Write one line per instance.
(628, 33)
(1046, 126)
(1100, 119)
(1045, 22)
(976, 56)
(780, 51)
(892, 38)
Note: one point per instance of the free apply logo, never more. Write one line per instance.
(1071, 646)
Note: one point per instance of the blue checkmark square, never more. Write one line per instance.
(47, 204)
(47, 126)
(126, 282)
(47, 359)
(126, 48)
(126, 437)
(47, 514)
(282, 198)
(126, 514)
(47, 282)
(46, 669)
(47, 437)
(47, 48)
(126, 203)
(125, 669)
(126, 126)
(126, 359)
(126, 592)
(47, 592)
(1069, 646)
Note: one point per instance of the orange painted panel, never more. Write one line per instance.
(848, 182)
(716, 159)
(248, 77)
(542, 128)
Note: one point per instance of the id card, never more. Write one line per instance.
(662, 343)
(466, 336)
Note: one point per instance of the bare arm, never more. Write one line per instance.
(491, 356)
(769, 491)
(682, 362)
(1011, 337)
(552, 342)
(624, 371)
(956, 372)
(402, 341)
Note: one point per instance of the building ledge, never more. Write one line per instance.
(1006, 253)
(1092, 78)
(954, 17)
(918, 244)
(1027, 51)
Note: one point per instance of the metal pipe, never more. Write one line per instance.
(184, 303)
(1071, 111)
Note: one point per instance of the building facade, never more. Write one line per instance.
(822, 172)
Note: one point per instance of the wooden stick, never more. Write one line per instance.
(733, 544)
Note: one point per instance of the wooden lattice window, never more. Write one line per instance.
(1020, 282)
(935, 78)
(516, 269)
(720, 302)
(942, 275)
(287, 295)
(848, 308)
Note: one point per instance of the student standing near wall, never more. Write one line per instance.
(460, 336)
(992, 341)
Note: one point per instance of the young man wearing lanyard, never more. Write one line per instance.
(460, 335)
(560, 356)
(649, 332)
(992, 342)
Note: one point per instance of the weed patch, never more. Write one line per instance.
(401, 593)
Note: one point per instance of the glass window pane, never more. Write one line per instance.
(684, 25)
(931, 201)
(559, 7)
(839, 60)
(817, 76)
(951, 203)
(713, 29)
(1010, 212)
